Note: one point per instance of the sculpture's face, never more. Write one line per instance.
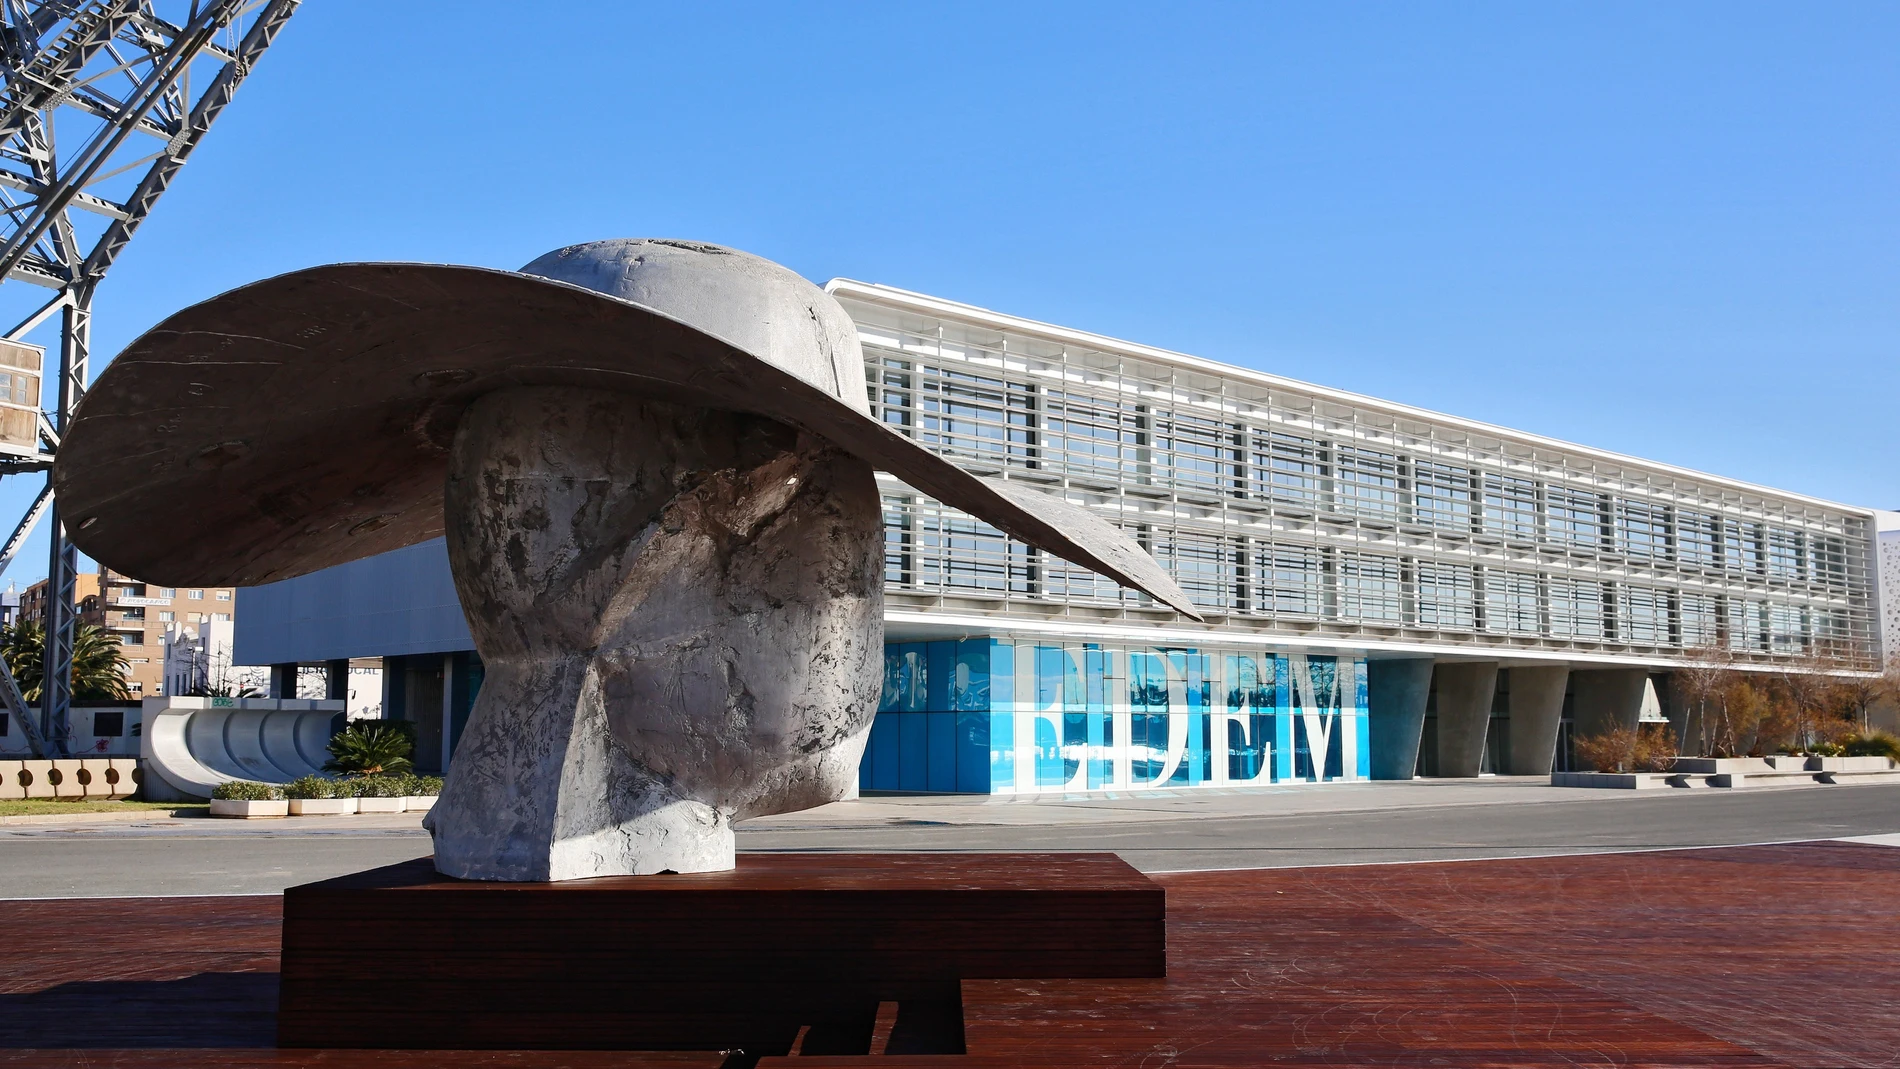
(690, 604)
(748, 665)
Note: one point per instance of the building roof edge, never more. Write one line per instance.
(925, 303)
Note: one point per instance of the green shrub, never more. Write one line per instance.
(1872, 744)
(1827, 749)
(239, 790)
(311, 787)
(372, 748)
(414, 786)
(381, 786)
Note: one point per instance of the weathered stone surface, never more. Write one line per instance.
(680, 613)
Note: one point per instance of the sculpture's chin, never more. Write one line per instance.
(667, 836)
(680, 614)
(821, 778)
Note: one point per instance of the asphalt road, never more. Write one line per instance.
(201, 856)
(1627, 821)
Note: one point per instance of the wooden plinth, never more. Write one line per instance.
(402, 957)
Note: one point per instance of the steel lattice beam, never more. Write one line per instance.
(101, 103)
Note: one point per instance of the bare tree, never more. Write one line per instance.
(1857, 693)
(1703, 684)
(226, 680)
(1744, 705)
(1810, 688)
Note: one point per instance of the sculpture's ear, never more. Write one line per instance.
(1084, 538)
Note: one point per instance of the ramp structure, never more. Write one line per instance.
(101, 104)
(193, 744)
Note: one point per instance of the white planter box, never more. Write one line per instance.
(231, 807)
(322, 807)
(1849, 764)
(418, 803)
(379, 805)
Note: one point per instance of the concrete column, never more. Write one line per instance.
(448, 710)
(283, 681)
(1606, 698)
(1537, 710)
(1395, 699)
(1465, 691)
(336, 680)
(393, 668)
(1685, 720)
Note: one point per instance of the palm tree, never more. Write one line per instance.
(370, 748)
(99, 666)
(99, 663)
(23, 644)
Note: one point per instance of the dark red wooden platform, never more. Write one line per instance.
(1753, 956)
(742, 959)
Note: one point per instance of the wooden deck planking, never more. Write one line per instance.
(1739, 957)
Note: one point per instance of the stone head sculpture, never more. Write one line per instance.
(653, 465)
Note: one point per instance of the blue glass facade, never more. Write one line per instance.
(1000, 716)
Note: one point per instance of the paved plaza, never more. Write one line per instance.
(1347, 824)
(1742, 956)
(1493, 922)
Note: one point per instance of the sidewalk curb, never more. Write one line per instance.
(100, 818)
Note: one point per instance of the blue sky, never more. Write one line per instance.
(1667, 230)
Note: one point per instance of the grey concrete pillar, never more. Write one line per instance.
(1465, 692)
(1685, 719)
(336, 680)
(283, 681)
(1395, 700)
(1606, 698)
(1537, 710)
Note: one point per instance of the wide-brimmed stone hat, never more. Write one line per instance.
(304, 421)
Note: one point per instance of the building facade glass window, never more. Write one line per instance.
(1442, 495)
(1369, 588)
(1511, 602)
(1447, 597)
(1644, 530)
(1273, 501)
(1574, 517)
(1371, 483)
(1642, 615)
(1510, 507)
(1699, 539)
(1294, 579)
(1290, 469)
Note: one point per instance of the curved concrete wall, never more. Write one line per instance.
(191, 745)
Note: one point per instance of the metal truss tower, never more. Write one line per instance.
(102, 103)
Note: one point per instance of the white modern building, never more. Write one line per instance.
(1387, 590)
